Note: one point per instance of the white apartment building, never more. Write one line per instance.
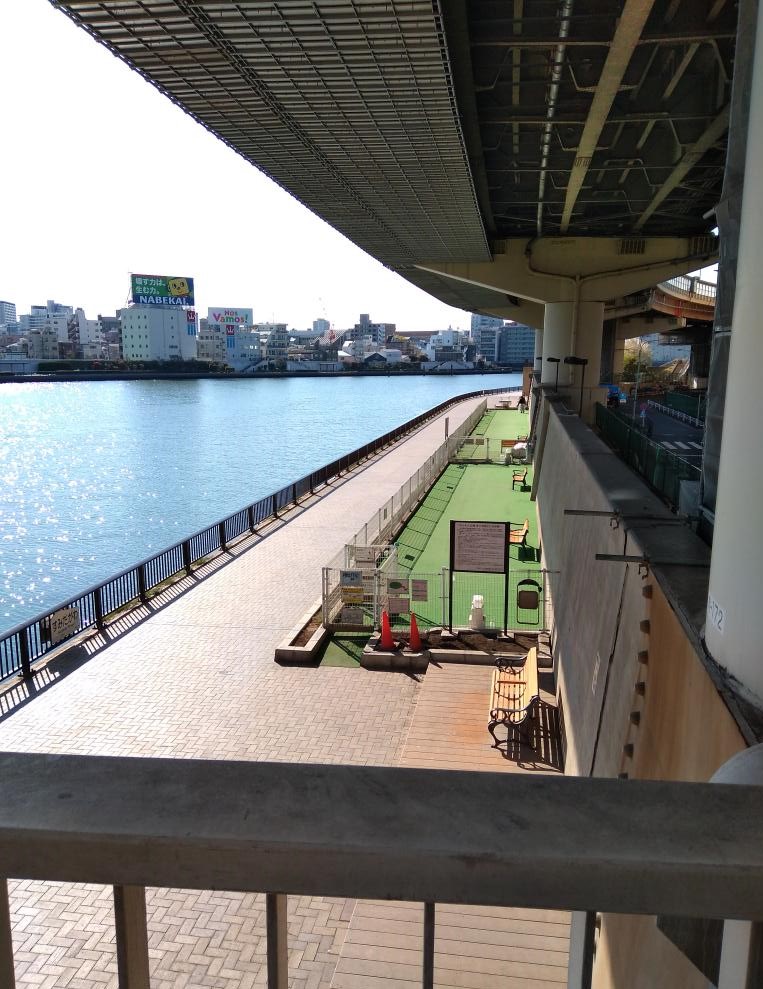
(86, 336)
(36, 318)
(158, 333)
(42, 344)
(274, 340)
(7, 313)
(446, 345)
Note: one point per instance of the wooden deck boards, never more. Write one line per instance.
(477, 947)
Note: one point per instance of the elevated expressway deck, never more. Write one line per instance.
(468, 146)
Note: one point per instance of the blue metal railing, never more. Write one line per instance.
(30, 641)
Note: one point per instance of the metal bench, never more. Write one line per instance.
(514, 696)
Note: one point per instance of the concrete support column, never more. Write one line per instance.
(538, 361)
(618, 353)
(574, 331)
(734, 621)
(557, 340)
(587, 344)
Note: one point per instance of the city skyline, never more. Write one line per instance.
(108, 178)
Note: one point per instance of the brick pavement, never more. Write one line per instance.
(196, 679)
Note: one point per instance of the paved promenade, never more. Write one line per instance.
(195, 678)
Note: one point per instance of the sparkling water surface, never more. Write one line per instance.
(97, 475)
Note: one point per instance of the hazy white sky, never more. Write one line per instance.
(102, 176)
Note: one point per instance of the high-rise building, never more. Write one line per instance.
(321, 326)
(7, 313)
(485, 333)
(516, 345)
(158, 333)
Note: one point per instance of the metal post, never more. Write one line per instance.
(223, 542)
(142, 594)
(277, 936)
(132, 937)
(98, 608)
(186, 550)
(26, 666)
(7, 975)
(250, 512)
(427, 977)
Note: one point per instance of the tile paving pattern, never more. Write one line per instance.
(192, 676)
(195, 678)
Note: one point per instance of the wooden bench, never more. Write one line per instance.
(518, 537)
(519, 477)
(514, 697)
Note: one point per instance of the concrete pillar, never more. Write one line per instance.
(734, 621)
(557, 340)
(538, 361)
(618, 353)
(566, 335)
(588, 345)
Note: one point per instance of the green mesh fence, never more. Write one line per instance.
(692, 405)
(663, 470)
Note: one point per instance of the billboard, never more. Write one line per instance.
(219, 318)
(162, 290)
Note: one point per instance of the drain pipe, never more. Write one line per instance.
(565, 14)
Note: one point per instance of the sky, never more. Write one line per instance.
(103, 176)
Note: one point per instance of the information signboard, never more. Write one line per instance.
(480, 547)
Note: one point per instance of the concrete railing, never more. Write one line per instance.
(546, 842)
(694, 287)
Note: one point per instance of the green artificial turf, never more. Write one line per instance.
(478, 492)
(503, 424)
(344, 649)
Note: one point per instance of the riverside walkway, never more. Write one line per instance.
(192, 676)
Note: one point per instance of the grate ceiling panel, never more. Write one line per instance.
(348, 105)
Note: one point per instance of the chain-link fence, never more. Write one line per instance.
(354, 599)
(384, 524)
(483, 450)
(663, 470)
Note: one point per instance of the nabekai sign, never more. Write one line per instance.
(162, 290)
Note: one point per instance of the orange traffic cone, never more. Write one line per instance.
(386, 641)
(414, 643)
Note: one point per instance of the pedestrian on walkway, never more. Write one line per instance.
(522, 403)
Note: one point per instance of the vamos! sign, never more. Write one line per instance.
(162, 290)
(228, 319)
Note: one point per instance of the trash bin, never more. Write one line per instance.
(477, 614)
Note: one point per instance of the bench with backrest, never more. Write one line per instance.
(519, 477)
(518, 537)
(514, 697)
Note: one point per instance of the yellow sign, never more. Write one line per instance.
(352, 595)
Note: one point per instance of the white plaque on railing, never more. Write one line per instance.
(63, 623)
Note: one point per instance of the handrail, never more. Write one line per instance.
(690, 286)
(29, 641)
(692, 849)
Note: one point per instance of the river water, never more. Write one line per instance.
(97, 475)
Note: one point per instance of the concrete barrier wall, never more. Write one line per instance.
(638, 695)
